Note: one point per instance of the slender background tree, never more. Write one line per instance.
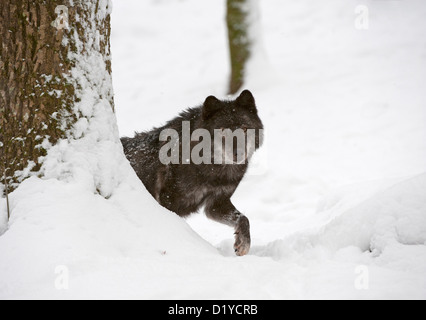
(238, 22)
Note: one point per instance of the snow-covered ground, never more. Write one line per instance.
(339, 207)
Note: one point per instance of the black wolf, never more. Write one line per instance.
(185, 187)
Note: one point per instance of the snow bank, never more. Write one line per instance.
(378, 228)
(396, 215)
(124, 248)
(57, 223)
(371, 217)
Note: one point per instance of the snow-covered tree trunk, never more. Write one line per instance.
(242, 19)
(55, 84)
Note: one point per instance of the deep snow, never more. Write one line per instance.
(338, 210)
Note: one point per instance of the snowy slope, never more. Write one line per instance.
(338, 212)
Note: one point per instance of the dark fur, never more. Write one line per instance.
(185, 188)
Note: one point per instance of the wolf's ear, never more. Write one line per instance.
(211, 106)
(246, 100)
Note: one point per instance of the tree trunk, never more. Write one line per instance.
(238, 14)
(42, 47)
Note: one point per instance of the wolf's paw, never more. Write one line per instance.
(242, 237)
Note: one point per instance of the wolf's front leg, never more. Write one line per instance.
(242, 236)
(223, 211)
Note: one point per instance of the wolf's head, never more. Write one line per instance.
(236, 127)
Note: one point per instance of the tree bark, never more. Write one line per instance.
(238, 14)
(41, 42)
